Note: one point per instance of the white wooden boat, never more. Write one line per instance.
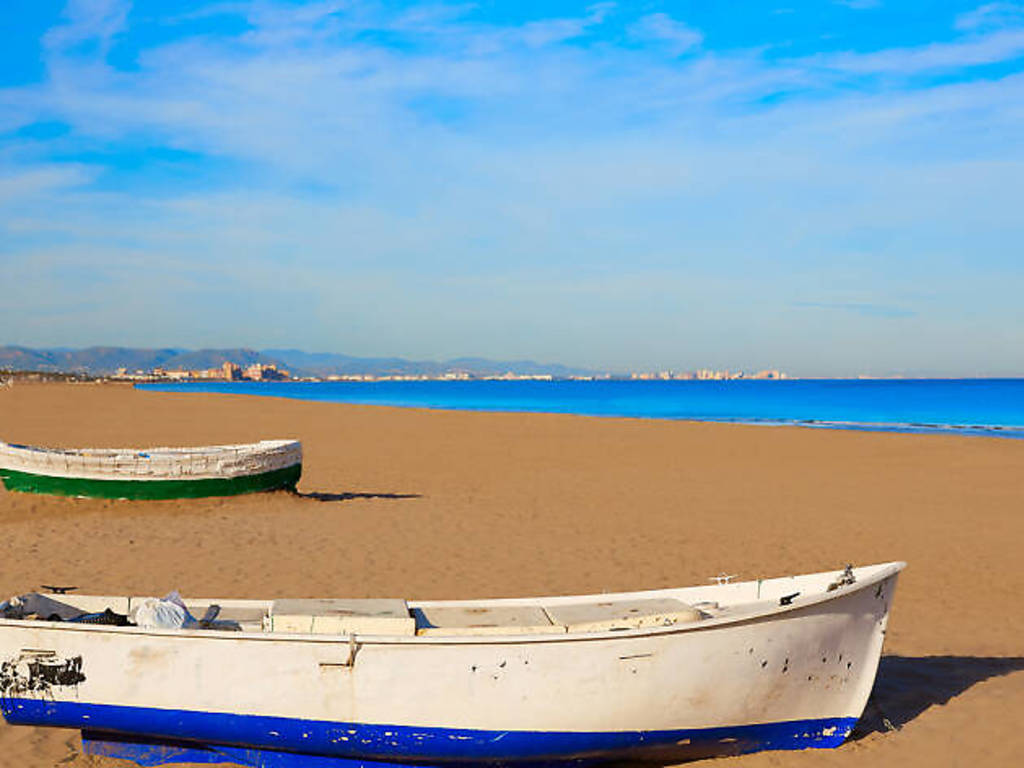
(152, 473)
(667, 675)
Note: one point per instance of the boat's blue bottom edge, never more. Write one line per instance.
(151, 736)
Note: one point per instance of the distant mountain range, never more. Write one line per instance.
(106, 360)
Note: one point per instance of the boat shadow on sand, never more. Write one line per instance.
(320, 496)
(908, 685)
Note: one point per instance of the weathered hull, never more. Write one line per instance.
(152, 473)
(794, 679)
(26, 482)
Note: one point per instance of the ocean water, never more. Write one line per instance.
(993, 407)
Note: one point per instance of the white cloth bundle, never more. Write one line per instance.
(168, 612)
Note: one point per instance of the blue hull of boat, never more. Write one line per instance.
(159, 736)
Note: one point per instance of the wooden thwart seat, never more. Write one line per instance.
(484, 620)
(342, 617)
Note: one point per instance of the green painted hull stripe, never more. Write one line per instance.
(26, 482)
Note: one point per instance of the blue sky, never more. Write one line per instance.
(832, 188)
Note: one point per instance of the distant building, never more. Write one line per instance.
(706, 374)
(260, 372)
(228, 372)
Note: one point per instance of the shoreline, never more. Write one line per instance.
(997, 432)
(968, 429)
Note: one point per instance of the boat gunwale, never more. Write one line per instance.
(122, 464)
(883, 572)
(261, 446)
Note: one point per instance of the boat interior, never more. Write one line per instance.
(722, 599)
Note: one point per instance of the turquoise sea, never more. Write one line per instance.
(993, 407)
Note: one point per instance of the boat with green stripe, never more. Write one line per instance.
(152, 473)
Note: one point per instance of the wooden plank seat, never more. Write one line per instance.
(383, 616)
(455, 620)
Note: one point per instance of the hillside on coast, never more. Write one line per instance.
(98, 361)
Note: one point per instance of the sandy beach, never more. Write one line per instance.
(432, 504)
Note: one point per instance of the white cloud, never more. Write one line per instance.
(89, 20)
(991, 15)
(663, 28)
(991, 48)
(38, 180)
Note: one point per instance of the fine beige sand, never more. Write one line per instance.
(431, 504)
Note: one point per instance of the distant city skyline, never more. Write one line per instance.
(141, 364)
(824, 188)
